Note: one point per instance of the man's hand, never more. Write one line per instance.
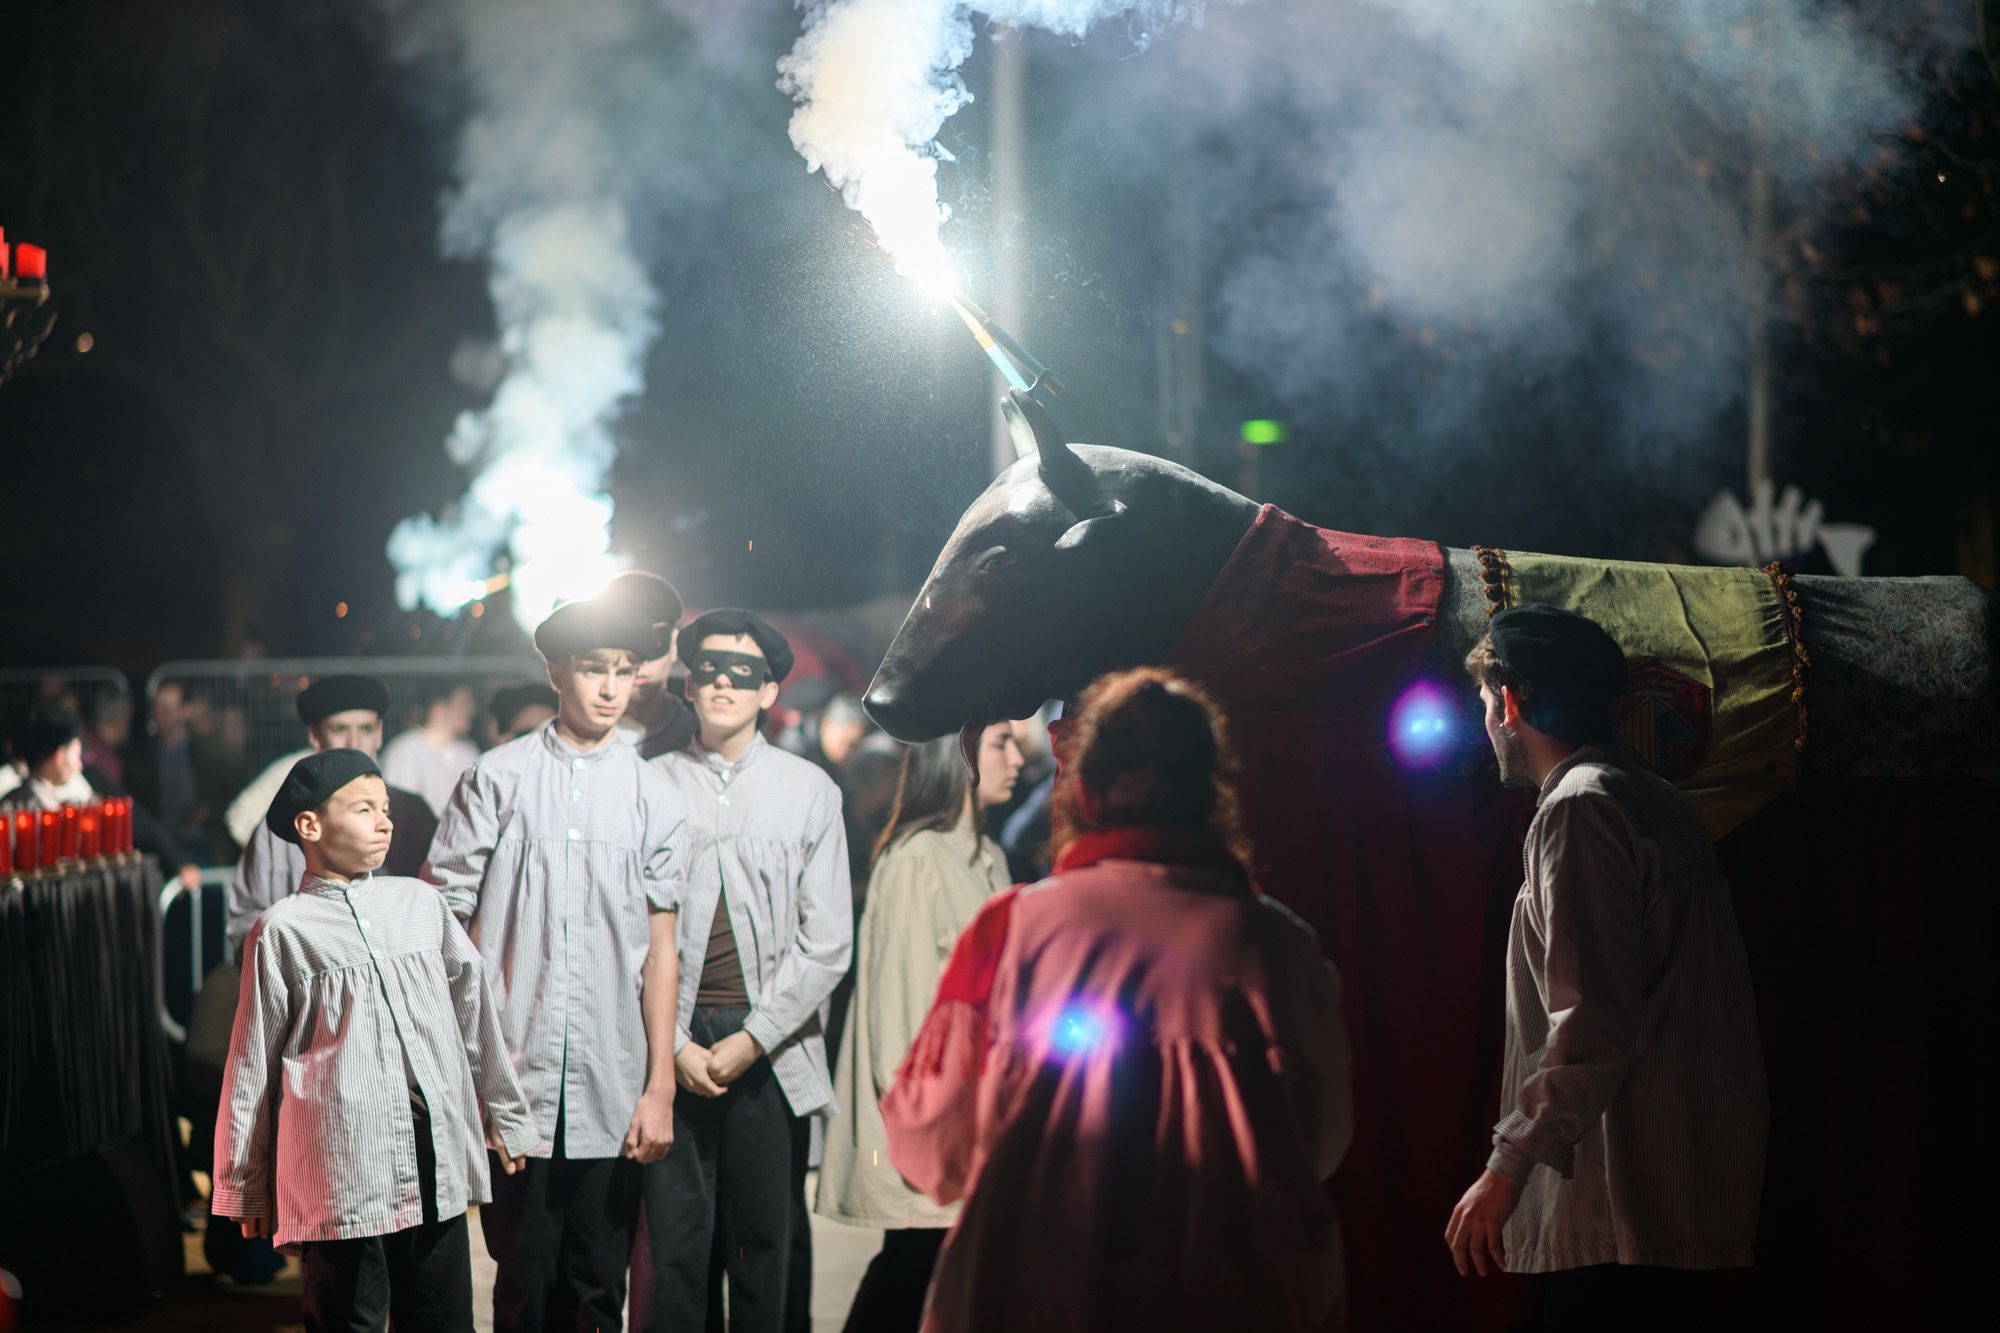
(508, 1162)
(691, 1071)
(732, 1057)
(652, 1129)
(1473, 1233)
(255, 1228)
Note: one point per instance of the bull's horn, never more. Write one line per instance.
(1066, 474)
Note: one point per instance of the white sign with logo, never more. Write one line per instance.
(1783, 527)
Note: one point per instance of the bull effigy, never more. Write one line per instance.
(1838, 735)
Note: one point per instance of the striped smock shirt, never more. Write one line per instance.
(556, 858)
(1633, 1075)
(354, 996)
(765, 835)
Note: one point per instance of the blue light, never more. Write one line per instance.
(1421, 725)
(1079, 1029)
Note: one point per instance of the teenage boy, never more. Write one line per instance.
(340, 713)
(366, 1041)
(767, 927)
(1631, 1155)
(658, 721)
(561, 849)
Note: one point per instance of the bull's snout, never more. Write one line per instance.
(894, 710)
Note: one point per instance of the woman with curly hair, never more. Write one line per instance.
(1135, 1073)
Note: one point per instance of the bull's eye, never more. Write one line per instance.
(996, 560)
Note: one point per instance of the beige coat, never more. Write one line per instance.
(923, 892)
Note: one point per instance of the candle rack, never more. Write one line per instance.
(26, 319)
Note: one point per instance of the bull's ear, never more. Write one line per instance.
(1095, 536)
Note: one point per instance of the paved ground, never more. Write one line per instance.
(213, 1305)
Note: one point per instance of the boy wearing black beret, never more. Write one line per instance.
(561, 852)
(659, 720)
(766, 931)
(340, 712)
(365, 1046)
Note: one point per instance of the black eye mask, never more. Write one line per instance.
(739, 671)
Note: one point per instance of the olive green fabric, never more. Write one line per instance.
(1723, 629)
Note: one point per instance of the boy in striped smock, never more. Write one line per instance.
(366, 1071)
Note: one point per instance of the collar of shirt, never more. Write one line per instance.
(51, 797)
(724, 770)
(570, 755)
(319, 884)
(1599, 752)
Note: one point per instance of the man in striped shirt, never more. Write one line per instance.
(562, 851)
(767, 928)
(366, 1043)
(1631, 1152)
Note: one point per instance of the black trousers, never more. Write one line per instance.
(891, 1296)
(560, 1233)
(732, 1185)
(1628, 1298)
(420, 1277)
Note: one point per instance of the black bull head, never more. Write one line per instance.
(1074, 562)
(1083, 559)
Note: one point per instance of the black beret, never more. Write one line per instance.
(733, 621)
(45, 730)
(339, 694)
(312, 781)
(585, 627)
(649, 595)
(1561, 656)
(508, 702)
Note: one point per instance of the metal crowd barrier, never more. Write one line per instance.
(201, 947)
(246, 708)
(82, 688)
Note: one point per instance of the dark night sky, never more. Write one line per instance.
(799, 396)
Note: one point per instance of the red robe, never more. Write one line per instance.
(1134, 1074)
(1306, 640)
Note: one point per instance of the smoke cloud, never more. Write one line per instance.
(1473, 195)
(581, 133)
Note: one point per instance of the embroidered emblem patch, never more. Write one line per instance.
(1667, 719)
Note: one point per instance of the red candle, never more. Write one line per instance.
(51, 837)
(111, 825)
(6, 848)
(125, 825)
(25, 827)
(72, 832)
(31, 263)
(3, 254)
(90, 831)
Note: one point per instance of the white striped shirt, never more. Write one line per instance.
(352, 995)
(1633, 1070)
(768, 828)
(556, 858)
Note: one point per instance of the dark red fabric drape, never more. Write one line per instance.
(1306, 640)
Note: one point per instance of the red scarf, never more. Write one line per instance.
(1197, 849)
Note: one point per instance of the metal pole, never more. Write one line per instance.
(1009, 64)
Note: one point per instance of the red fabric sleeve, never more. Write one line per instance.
(931, 1111)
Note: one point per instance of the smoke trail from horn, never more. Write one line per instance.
(875, 80)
